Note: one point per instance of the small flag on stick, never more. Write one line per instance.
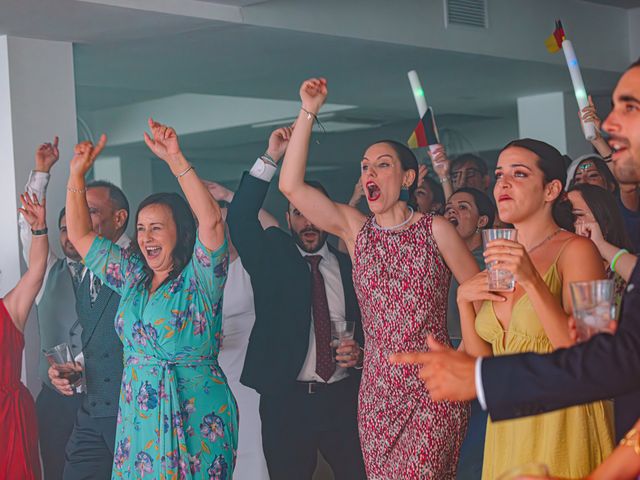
(554, 41)
(425, 133)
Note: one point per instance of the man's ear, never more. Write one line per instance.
(287, 216)
(121, 218)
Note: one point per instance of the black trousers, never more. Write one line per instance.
(56, 417)
(296, 424)
(89, 453)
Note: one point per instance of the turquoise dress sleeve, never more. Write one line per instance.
(210, 269)
(112, 264)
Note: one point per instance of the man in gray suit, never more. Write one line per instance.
(57, 322)
(89, 327)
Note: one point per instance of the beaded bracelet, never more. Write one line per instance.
(616, 257)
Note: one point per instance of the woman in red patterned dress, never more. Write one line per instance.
(19, 457)
(401, 275)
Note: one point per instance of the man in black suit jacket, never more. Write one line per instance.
(301, 410)
(604, 367)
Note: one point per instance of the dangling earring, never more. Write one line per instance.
(404, 194)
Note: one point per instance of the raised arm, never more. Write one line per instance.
(221, 193)
(164, 143)
(442, 166)
(46, 157)
(20, 300)
(625, 262)
(336, 218)
(79, 226)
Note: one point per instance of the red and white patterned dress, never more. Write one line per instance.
(402, 284)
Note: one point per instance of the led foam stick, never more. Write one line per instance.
(556, 41)
(421, 103)
(588, 128)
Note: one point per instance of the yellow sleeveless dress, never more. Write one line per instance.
(572, 441)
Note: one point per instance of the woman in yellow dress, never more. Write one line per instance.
(546, 258)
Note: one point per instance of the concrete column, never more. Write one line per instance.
(553, 118)
(37, 102)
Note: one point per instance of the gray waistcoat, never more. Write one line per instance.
(102, 350)
(57, 315)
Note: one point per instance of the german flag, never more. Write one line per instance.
(554, 41)
(425, 133)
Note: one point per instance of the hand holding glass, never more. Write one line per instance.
(593, 307)
(499, 280)
(340, 331)
(61, 358)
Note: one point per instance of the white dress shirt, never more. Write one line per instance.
(330, 270)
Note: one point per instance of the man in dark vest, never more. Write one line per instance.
(89, 451)
(308, 400)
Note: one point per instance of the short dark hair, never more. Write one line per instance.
(478, 162)
(63, 212)
(483, 203)
(606, 211)
(315, 184)
(116, 195)
(185, 232)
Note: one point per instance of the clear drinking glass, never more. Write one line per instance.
(527, 470)
(340, 330)
(62, 359)
(593, 307)
(499, 280)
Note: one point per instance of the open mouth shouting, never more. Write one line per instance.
(309, 234)
(373, 191)
(453, 220)
(152, 252)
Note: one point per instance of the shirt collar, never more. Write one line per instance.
(323, 252)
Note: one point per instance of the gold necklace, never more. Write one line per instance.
(545, 240)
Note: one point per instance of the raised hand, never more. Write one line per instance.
(47, 155)
(278, 142)
(589, 114)
(163, 141)
(33, 211)
(591, 230)
(84, 154)
(313, 94)
(440, 161)
(218, 192)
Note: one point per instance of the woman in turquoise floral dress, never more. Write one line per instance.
(177, 417)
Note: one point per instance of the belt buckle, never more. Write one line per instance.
(311, 388)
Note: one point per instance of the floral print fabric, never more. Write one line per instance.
(177, 418)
